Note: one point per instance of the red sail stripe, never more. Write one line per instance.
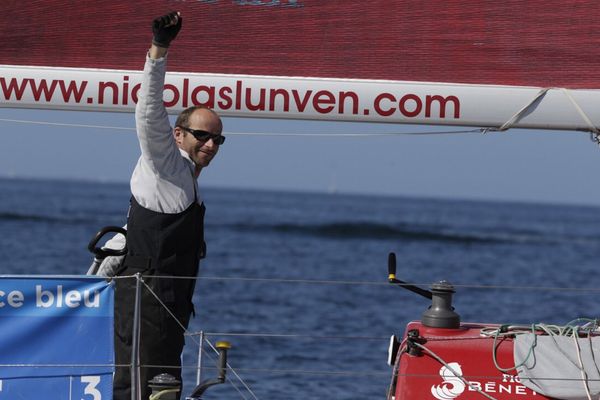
(513, 42)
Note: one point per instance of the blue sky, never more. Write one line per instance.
(522, 165)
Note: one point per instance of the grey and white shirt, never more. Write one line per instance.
(163, 179)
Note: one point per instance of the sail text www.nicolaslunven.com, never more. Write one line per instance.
(233, 97)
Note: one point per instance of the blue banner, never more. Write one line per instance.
(56, 338)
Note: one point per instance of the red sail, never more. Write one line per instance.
(549, 43)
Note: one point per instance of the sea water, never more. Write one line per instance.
(297, 281)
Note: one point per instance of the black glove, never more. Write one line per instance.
(165, 29)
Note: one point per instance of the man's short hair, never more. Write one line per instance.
(184, 117)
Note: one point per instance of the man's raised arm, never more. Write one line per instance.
(160, 156)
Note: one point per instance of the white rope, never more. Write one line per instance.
(333, 373)
(595, 133)
(563, 332)
(552, 331)
(593, 354)
(364, 373)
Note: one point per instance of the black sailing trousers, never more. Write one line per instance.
(165, 249)
(161, 337)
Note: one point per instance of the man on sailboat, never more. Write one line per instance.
(165, 233)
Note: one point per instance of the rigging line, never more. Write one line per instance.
(369, 283)
(519, 114)
(229, 379)
(233, 371)
(453, 339)
(291, 335)
(477, 130)
(376, 373)
(552, 335)
(594, 131)
(186, 331)
(386, 373)
(495, 347)
(472, 377)
(174, 367)
(279, 371)
(274, 280)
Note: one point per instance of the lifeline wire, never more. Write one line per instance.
(357, 373)
(283, 371)
(291, 335)
(185, 330)
(338, 373)
(372, 283)
(333, 373)
(230, 368)
(574, 331)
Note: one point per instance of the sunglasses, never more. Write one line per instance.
(204, 136)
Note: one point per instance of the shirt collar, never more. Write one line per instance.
(185, 155)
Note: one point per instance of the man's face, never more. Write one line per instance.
(201, 152)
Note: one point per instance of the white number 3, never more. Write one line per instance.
(92, 382)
